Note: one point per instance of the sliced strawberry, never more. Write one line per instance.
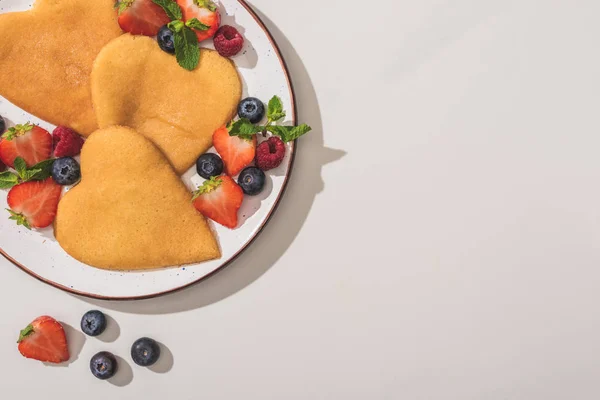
(236, 152)
(28, 141)
(141, 17)
(219, 199)
(33, 204)
(44, 340)
(206, 11)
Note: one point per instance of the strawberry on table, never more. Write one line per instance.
(206, 11)
(219, 199)
(32, 143)
(237, 152)
(141, 17)
(44, 340)
(33, 204)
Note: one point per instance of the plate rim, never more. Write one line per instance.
(293, 149)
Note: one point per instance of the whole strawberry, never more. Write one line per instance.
(67, 143)
(270, 153)
(228, 41)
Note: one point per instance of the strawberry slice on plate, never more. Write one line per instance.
(141, 17)
(44, 340)
(33, 204)
(206, 11)
(32, 143)
(236, 152)
(219, 199)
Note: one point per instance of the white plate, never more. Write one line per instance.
(38, 253)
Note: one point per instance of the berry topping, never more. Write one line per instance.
(141, 17)
(219, 199)
(103, 365)
(44, 340)
(236, 152)
(27, 141)
(252, 109)
(93, 323)
(67, 143)
(206, 12)
(270, 153)
(252, 180)
(66, 171)
(145, 352)
(33, 204)
(209, 165)
(165, 40)
(228, 41)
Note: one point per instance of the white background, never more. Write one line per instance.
(440, 238)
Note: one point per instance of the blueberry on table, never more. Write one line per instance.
(209, 165)
(252, 109)
(165, 40)
(103, 365)
(252, 180)
(145, 351)
(66, 171)
(93, 323)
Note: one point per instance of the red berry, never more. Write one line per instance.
(44, 339)
(67, 143)
(228, 41)
(270, 153)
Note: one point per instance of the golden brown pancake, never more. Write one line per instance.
(46, 57)
(136, 84)
(130, 211)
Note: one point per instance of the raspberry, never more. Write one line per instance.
(270, 153)
(67, 143)
(228, 41)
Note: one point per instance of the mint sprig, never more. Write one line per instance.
(243, 128)
(38, 172)
(185, 40)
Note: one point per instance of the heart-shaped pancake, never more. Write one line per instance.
(136, 84)
(46, 57)
(130, 210)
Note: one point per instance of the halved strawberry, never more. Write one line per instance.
(219, 199)
(32, 143)
(44, 340)
(141, 17)
(206, 11)
(33, 204)
(236, 152)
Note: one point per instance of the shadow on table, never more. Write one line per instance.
(280, 232)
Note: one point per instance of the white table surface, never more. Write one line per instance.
(440, 238)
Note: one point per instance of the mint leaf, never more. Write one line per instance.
(195, 23)
(43, 170)
(176, 26)
(186, 48)
(208, 4)
(20, 166)
(8, 180)
(243, 128)
(289, 133)
(275, 109)
(171, 8)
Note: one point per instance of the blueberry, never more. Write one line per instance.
(252, 109)
(252, 180)
(209, 165)
(145, 352)
(93, 323)
(165, 40)
(2, 125)
(66, 171)
(103, 365)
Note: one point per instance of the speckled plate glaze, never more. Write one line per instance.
(38, 253)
